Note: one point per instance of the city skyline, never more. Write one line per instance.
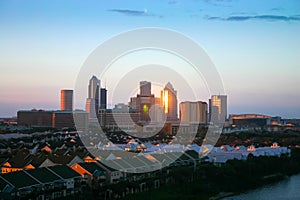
(66, 100)
(254, 46)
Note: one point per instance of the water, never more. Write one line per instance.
(288, 189)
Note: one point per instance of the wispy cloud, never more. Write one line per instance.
(277, 9)
(131, 12)
(223, 3)
(257, 17)
(172, 2)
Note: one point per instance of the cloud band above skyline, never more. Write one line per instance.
(257, 17)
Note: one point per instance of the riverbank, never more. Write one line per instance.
(285, 189)
(270, 180)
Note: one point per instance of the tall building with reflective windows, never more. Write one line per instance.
(169, 102)
(92, 102)
(218, 109)
(193, 112)
(94, 90)
(66, 100)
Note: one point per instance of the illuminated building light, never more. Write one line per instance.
(145, 108)
(166, 101)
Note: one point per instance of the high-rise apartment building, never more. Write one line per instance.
(193, 112)
(169, 102)
(218, 109)
(66, 100)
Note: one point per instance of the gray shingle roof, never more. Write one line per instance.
(63, 171)
(20, 179)
(43, 175)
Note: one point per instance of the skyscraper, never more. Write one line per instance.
(169, 102)
(144, 101)
(218, 109)
(90, 108)
(103, 98)
(145, 88)
(92, 102)
(146, 104)
(66, 100)
(193, 112)
(94, 90)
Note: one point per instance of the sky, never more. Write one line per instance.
(255, 46)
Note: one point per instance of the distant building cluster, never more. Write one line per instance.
(142, 110)
(53, 119)
(145, 109)
(145, 112)
(259, 122)
(62, 118)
